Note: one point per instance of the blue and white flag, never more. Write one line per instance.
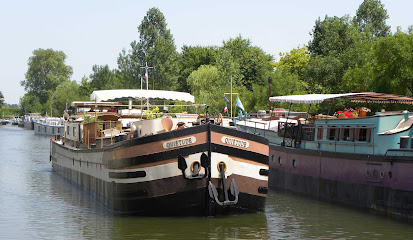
(226, 99)
(239, 104)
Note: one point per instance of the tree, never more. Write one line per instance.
(103, 78)
(254, 64)
(332, 36)
(46, 70)
(30, 103)
(207, 87)
(371, 18)
(157, 48)
(128, 71)
(191, 58)
(1, 99)
(294, 61)
(66, 92)
(393, 61)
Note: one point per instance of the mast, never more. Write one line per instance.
(231, 97)
(146, 77)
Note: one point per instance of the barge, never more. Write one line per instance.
(361, 161)
(173, 164)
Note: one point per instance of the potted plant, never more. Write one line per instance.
(341, 114)
(363, 111)
(354, 114)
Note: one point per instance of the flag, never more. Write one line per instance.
(226, 99)
(146, 75)
(239, 104)
(225, 109)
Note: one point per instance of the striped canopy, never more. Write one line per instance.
(366, 97)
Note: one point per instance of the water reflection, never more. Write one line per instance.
(36, 203)
(78, 208)
(292, 216)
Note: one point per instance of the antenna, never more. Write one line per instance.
(146, 77)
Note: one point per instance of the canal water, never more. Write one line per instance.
(35, 203)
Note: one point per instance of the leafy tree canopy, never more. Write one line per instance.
(157, 48)
(66, 92)
(191, 58)
(332, 36)
(1, 99)
(371, 18)
(46, 70)
(254, 64)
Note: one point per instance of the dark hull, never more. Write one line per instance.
(116, 176)
(29, 125)
(381, 184)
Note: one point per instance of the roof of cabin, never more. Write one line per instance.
(103, 95)
(366, 97)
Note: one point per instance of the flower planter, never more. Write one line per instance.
(342, 116)
(363, 114)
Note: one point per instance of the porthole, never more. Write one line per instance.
(279, 161)
(390, 174)
(294, 165)
(272, 159)
(375, 173)
(368, 173)
(382, 174)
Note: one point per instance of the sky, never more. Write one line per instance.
(95, 32)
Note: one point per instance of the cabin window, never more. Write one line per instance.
(320, 132)
(38, 129)
(333, 133)
(347, 134)
(68, 130)
(363, 134)
(53, 130)
(74, 130)
(308, 132)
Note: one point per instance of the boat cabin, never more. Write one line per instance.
(379, 133)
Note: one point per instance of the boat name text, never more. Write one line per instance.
(235, 142)
(179, 142)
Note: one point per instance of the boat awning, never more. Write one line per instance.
(104, 95)
(366, 97)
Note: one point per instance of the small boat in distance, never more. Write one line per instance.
(139, 161)
(349, 158)
(49, 126)
(29, 120)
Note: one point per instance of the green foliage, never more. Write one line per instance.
(128, 71)
(66, 92)
(151, 114)
(190, 60)
(371, 18)
(46, 70)
(393, 61)
(9, 112)
(157, 48)
(294, 62)
(254, 65)
(332, 36)
(30, 103)
(207, 87)
(103, 78)
(1, 99)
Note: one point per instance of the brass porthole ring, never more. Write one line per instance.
(192, 166)
(225, 166)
